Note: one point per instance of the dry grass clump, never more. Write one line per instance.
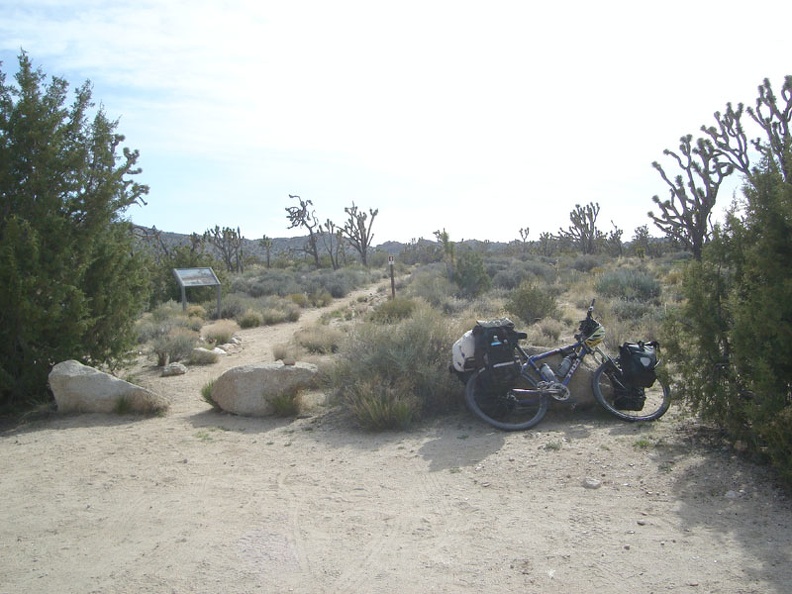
(319, 339)
(196, 311)
(284, 352)
(220, 332)
(201, 356)
(288, 312)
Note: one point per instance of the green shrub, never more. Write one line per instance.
(586, 262)
(338, 283)
(511, 277)
(390, 375)
(542, 269)
(175, 345)
(288, 404)
(251, 319)
(163, 320)
(206, 394)
(166, 311)
(123, 406)
(299, 299)
(272, 309)
(470, 275)
(233, 307)
(320, 298)
(260, 283)
(393, 310)
(432, 284)
(196, 311)
(774, 432)
(631, 310)
(379, 408)
(281, 314)
(531, 303)
(629, 284)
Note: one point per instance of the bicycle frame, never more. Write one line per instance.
(580, 350)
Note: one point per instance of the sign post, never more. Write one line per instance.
(196, 277)
(393, 283)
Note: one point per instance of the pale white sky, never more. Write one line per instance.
(482, 118)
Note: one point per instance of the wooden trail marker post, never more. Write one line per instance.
(393, 283)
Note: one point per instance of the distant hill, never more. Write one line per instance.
(286, 245)
(253, 247)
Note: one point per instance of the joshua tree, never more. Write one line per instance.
(357, 232)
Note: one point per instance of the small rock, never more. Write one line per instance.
(172, 369)
(230, 348)
(591, 483)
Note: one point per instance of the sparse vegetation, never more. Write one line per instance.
(319, 339)
(251, 319)
(288, 404)
(531, 303)
(221, 332)
(391, 375)
(202, 356)
(206, 394)
(628, 284)
(176, 344)
(393, 310)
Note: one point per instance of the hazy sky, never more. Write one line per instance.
(482, 118)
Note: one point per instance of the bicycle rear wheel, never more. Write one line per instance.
(625, 402)
(501, 407)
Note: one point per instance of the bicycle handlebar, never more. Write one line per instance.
(591, 308)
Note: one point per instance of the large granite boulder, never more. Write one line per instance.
(79, 388)
(580, 386)
(249, 390)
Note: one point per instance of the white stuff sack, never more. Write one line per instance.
(463, 351)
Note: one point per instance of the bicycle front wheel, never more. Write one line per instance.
(628, 403)
(501, 407)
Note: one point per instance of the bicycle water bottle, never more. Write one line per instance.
(563, 368)
(547, 373)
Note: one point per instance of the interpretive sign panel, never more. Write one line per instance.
(196, 277)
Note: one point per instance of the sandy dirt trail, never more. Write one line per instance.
(202, 502)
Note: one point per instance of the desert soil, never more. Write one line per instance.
(197, 501)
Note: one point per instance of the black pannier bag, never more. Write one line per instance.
(629, 398)
(496, 342)
(638, 361)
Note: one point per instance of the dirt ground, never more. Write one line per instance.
(198, 501)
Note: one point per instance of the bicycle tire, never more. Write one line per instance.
(657, 398)
(501, 408)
